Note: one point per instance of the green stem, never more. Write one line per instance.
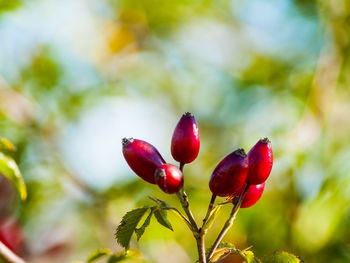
(201, 248)
(228, 224)
(186, 207)
(198, 234)
(210, 208)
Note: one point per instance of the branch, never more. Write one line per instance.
(8, 255)
(228, 223)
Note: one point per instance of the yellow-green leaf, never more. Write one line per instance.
(98, 254)
(125, 256)
(10, 170)
(212, 216)
(6, 145)
(220, 253)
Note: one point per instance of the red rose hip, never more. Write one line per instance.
(11, 235)
(169, 178)
(260, 162)
(142, 157)
(185, 142)
(229, 176)
(252, 195)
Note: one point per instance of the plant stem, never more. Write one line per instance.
(210, 208)
(186, 206)
(201, 248)
(197, 233)
(228, 223)
(8, 255)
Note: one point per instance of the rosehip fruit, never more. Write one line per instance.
(11, 235)
(230, 174)
(185, 142)
(260, 162)
(169, 178)
(142, 157)
(252, 195)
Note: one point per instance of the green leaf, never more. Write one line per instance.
(281, 257)
(127, 226)
(249, 256)
(6, 145)
(161, 203)
(98, 254)
(161, 216)
(125, 256)
(10, 170)
(228, 245)
(139, 231)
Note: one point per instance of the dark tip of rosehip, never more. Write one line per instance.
(188, 114)
(240, 152)
(265, 140)
(126, 141)
(160, 173)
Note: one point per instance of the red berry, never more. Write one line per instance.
(11, 235)
(185, 142)
(252, 195)
(142, 157)
(230, 174)
(260, 162)
(169, 178)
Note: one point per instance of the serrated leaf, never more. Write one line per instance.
(139, 231)
(127, 226)
(164, 206)
(249, 256)
(10, 170)
(6, 145)
(282, 257)
(161, 203)
(161, 216)
(98, 254)
(212, 216)
(125, 256)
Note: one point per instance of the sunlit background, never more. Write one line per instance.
(77, 76)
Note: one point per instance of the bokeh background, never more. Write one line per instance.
(77, 76)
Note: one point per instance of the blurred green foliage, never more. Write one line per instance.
(246, 69)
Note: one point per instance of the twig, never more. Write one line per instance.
(228, 224)
(210, 208)
(8, 255)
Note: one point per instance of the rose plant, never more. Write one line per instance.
(239, 177)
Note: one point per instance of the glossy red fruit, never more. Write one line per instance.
(11, 235)
(252, 195)
(142, 157)
(169, 178)
(185, 142)
(260, 162)
(230, 174)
